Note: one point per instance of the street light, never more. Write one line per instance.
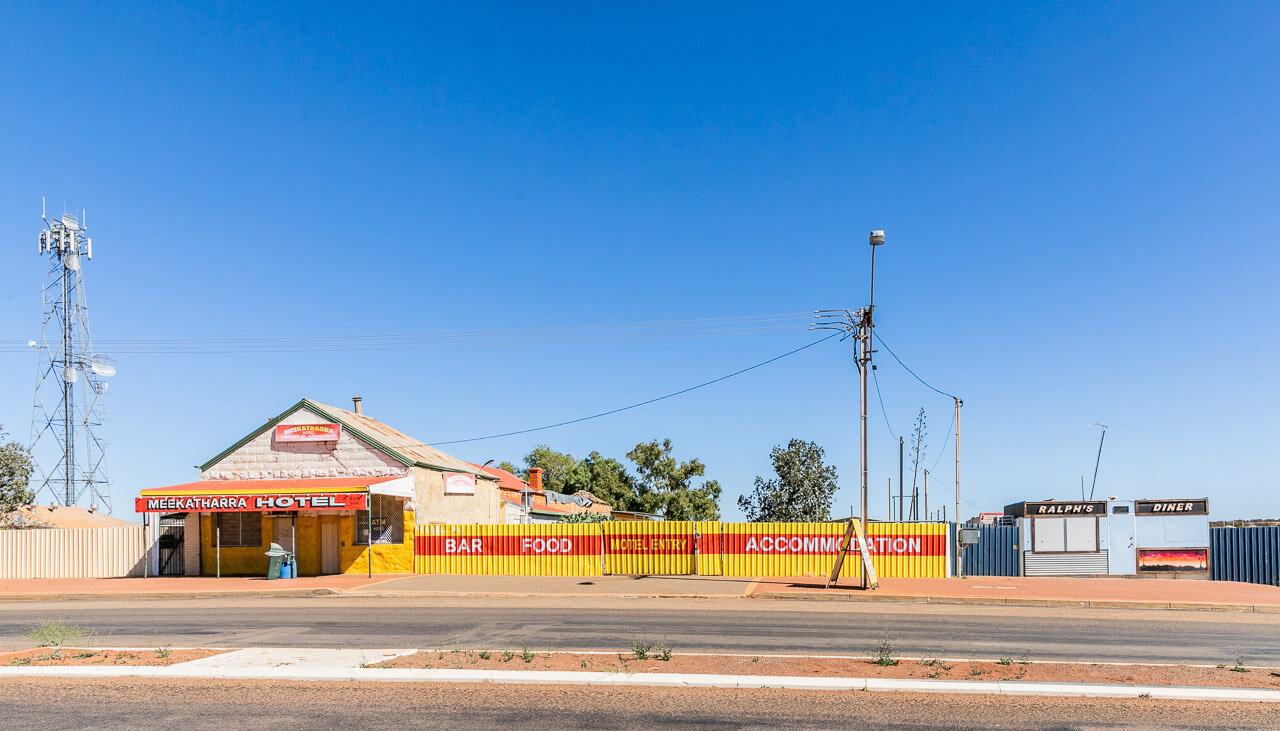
(864, 361)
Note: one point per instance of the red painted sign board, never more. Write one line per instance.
(252, 503)
(308, 432)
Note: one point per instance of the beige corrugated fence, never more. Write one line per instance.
(72, 553)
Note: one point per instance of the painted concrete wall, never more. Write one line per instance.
(191, 545)
(433, 506)
(262, 458)
(352, 558)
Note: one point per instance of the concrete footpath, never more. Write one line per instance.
(988, 590)
(349, 665)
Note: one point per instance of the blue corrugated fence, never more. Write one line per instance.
(996, 553)
(1245, 554)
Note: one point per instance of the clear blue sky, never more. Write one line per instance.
(1081, 203)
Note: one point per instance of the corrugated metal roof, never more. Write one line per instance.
(249, 487)
(506, 480)
(394, 440)
(545, 508)
(64, 517)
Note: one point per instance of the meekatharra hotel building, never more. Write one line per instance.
(341, 490)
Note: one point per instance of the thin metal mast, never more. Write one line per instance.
(66, 441)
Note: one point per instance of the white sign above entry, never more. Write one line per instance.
(459, 483)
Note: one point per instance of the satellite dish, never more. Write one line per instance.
(69, 220)
(69, 375)
(71, 261)
(103, 365)
(100, 387)
(31, 343)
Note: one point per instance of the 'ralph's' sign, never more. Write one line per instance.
(1054, 508)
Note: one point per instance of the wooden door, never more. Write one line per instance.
(329, 548)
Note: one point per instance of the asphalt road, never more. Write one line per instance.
(116, 703)
(728, 625)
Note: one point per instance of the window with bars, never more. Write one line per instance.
(388, 520)
(240, 529)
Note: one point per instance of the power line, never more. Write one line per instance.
(942, 449)
(952, 490)
(881, 399)
(558, 335)
(913, 373)
(642, 403)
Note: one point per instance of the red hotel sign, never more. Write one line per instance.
(308, 432)
(252, 503)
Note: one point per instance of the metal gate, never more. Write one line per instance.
(996, 552)
(665, 547)
(1245, 554)
(171, 538)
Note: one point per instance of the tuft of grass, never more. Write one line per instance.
(485, 654)
(1025, 657)
(582, 662)
(641, 648)
(56, 635)
(507, 655)
(1005, 661)
(1144, 695)
(524, 652)
(755, 659)
(82, 655)
(163, 652)
(883, 654)
(1239, 666)
(22, 661)
(664, 649)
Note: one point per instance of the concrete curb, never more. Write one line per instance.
(989, 687)
(767, 595)
(1023, 602)
(221, 594)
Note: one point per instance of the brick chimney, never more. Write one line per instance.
(355, 404)
(535, 478)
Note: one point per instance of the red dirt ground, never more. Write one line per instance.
(89, 656)
(846, 667)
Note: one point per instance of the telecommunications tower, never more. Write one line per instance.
(66, 427)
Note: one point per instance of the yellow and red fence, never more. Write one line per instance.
(709, 548)
(508, 550)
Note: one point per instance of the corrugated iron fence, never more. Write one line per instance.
(708, 548)
(71, 553)
(995, 553)
(1245, 554)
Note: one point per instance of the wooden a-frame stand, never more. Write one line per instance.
(846, 543)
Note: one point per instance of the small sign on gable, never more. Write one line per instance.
(308, 432)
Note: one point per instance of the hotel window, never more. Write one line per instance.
(388, 520)
(240, 529)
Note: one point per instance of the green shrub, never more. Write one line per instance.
(883, 654)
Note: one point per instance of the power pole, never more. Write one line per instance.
(858, 324)
(926, 494)
(959, 403)
(900, 480)
(1096, 462)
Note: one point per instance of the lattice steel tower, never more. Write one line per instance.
(66, 440)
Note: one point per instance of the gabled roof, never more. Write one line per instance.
(506, 480)
(391, 442)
